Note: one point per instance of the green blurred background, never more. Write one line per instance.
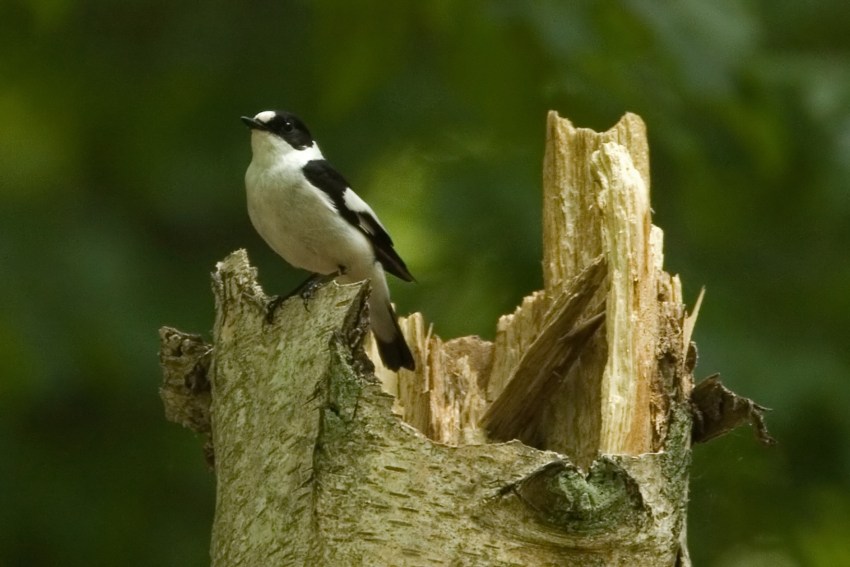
(121, 184)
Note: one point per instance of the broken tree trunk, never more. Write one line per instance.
(566, 441)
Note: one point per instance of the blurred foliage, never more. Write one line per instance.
(121, 184)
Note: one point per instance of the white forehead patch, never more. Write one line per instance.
(265, 116)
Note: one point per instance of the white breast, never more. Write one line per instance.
(298, 221)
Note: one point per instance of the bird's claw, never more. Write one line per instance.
(308, 291)
(272, 306)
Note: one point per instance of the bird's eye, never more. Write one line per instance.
(288, 127)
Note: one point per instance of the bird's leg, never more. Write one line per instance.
(306, 290)
(271, 307)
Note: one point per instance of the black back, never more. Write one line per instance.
(323, 176)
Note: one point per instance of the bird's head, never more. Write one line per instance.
(278, 132)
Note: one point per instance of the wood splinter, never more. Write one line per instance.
(546, 361)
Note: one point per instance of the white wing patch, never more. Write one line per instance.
(354, 203)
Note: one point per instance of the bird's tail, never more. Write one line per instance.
(391, 344)
(394, 351)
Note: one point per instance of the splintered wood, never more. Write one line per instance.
(443, 398)
(544, 363)
(589, 364)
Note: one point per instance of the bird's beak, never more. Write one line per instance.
(253, 124)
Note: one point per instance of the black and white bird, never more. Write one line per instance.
(306, 211)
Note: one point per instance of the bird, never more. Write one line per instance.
(308, 214)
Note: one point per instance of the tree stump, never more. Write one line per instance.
(566, 441)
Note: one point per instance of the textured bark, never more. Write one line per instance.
(314, 468)
(566, 441)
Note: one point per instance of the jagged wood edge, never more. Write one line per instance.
(546, 360)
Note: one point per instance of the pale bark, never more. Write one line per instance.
(566, 441)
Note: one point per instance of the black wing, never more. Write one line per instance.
(353, 209)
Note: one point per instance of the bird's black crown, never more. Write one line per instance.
(283, 124)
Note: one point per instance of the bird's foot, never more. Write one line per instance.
(272, 306)
(308, 289)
